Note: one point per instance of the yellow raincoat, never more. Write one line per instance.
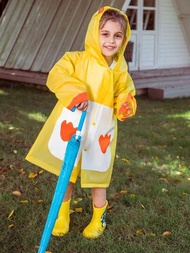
(76, 77)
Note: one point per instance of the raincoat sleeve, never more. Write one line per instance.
(62, 81)
(125, 94)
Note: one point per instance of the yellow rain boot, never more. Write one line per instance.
(61, 226)
(98, 223)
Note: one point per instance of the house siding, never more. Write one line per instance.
(35, 34)
(148, 51)
(172, 47)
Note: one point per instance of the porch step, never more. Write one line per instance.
(169, 92)
(160, 72)
(161, 81)
(160, 84)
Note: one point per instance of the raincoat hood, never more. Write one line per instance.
(92, 41)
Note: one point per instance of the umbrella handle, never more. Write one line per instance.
(81, 122)
(82, 119)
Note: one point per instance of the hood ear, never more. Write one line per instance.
(101, 10)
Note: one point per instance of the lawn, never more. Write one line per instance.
(149, 196)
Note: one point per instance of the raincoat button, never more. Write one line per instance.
(93, 123)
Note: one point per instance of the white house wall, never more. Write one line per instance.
(183, 11)
(172, 46)
(148, 51)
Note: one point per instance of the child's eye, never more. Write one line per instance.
(118, 36)
(105, 34)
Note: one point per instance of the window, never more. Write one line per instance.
(146, 9)
(149, 3)
(148, 19)
(149, 8)
(132, 16)
(133, 3)
(3, 4)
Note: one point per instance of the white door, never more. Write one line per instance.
(142, 17)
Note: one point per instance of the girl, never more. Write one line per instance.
(95, 80)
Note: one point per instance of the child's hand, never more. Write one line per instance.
(82, 106)
(125, 109)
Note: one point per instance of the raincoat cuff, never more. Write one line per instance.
(121, 111)
(78, 99)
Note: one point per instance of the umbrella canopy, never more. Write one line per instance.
(62, 183)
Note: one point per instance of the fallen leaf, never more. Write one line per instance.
(139, 232)
(164, 179)
(10, 215)
(3, 169)
(141, 146)
(17, 193)
(11, 225)
(179, 173)
(123, 191)
(151, 234)
(109, 208)
(117, 195)
(176, 181)
(164, 190)
(125, 160)
(166, 233)
(75, 202)
(78, 209)
(11, 167)
(41, 172)
(22, 171)
(24, 201)
(40, 201)
(32, 175)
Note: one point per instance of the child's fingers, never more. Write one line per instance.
(82, 106)
(127, 110)
(127, 113)
(126, 105)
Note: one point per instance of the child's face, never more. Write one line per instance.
(111, 40)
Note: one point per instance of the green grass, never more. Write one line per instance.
(149, 193)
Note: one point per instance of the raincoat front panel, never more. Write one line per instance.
(76, 77)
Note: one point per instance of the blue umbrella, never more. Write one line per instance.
(62, 183)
